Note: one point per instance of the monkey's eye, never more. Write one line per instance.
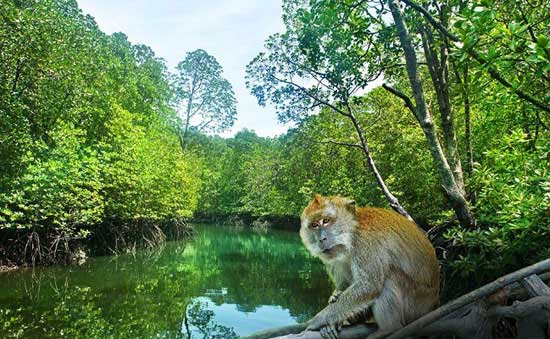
(314, 225)
(326, 220)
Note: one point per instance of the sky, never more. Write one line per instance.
(233, 31)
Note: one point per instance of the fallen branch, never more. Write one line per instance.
(532, 316)
(279, 331)
(350, 332)
(522, 309)
(517, 291)
(535, 286)
(469, 298)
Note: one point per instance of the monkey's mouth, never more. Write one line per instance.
(333, 250)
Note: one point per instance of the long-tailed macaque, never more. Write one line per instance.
(379, 261)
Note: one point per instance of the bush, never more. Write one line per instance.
(513, 211)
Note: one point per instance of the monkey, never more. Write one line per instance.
(379, 261)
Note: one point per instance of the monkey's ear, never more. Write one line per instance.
(350, 205)
(317, 199)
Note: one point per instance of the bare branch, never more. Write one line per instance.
(535, 286)
(316, 98)
(431, 20)
(347, 144)
(333, 142)
(403, 96)
(295, 332)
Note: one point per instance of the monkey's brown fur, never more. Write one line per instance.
(379, 261)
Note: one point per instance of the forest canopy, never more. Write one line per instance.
(97, 137)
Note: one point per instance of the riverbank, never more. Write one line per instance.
(290, 223)
(47, 245)
(27, 248)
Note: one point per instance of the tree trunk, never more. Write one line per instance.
(424, 117)
(188, 112)
(467, 132)
(394, 202)
(464, 87)
(438, 67)
(187, 118)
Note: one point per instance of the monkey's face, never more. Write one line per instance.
(326, 226)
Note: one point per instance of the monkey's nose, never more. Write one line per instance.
(323, 239)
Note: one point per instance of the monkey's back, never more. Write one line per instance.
(406, 243)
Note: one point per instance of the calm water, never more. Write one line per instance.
(224, 283)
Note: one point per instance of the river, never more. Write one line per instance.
(224, 283)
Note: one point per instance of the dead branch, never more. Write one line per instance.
(468, 322)
(469, 298)
(535, 286)
(279, 331)
(532, 316)
(350, 332)
(516, 291)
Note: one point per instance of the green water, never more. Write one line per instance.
(224, 283)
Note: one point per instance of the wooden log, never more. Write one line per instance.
(469, 322)
(279, 331)
(535, 286)
(297, 332)
(468, 298)
(516, 291)
(348, 332)
(532, 316)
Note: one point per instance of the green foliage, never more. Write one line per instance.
(147, 176)
(513, 211)
(89, 133)
(59, 188)
(330, 49)
(85, 130)
(511, 35)
(13, 324)
(276, 177)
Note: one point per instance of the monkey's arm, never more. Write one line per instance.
(356, 298)
(341, 276)
(367, 281)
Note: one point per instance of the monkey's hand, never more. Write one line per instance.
(334, 297)
(328, 327)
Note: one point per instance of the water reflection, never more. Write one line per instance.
(225, 283)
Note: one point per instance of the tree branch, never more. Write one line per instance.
(464, 321)
(393, 201)
(340, 143)
(295, 332)
(522, 309)
(306, 92)
(403, 96)
(431, 20)
(333, 142)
